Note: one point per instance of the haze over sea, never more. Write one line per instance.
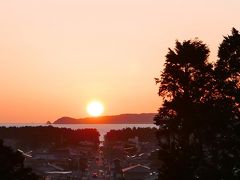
(102, 128)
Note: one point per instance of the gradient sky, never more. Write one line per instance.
(57, 55)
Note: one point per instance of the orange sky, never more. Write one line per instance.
(57, 55)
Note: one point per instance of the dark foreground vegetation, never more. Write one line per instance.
(199, 121)
(47, 136)
(12, 165)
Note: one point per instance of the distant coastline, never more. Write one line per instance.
(143, 118)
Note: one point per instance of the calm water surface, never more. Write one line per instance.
(102, 128)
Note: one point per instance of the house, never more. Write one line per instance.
(136, 172)
(142, 158)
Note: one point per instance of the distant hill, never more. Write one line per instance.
(144, 118)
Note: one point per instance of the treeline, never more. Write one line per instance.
(143, 134)
(45, 136)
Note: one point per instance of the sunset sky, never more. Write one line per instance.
(58, 55)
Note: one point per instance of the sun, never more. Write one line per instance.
(95, 108)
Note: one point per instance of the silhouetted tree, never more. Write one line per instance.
(228, 67)
(227, 86)
(199, 118)
(12, 166)
(184, 86)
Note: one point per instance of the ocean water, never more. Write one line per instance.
(102, 128)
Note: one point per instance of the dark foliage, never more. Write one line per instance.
(12, 166)
(144, 134)
(47, 136)
(199, 120)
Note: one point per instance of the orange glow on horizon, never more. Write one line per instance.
(56, 55)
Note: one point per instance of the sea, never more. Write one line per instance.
(102, 128)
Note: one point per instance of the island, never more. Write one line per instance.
(143, 118)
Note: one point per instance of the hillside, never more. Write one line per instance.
(144, 118)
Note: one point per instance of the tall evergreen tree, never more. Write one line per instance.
(228, 67)
(227, 84)
(184, 86)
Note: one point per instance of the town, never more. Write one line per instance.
(127, 154)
